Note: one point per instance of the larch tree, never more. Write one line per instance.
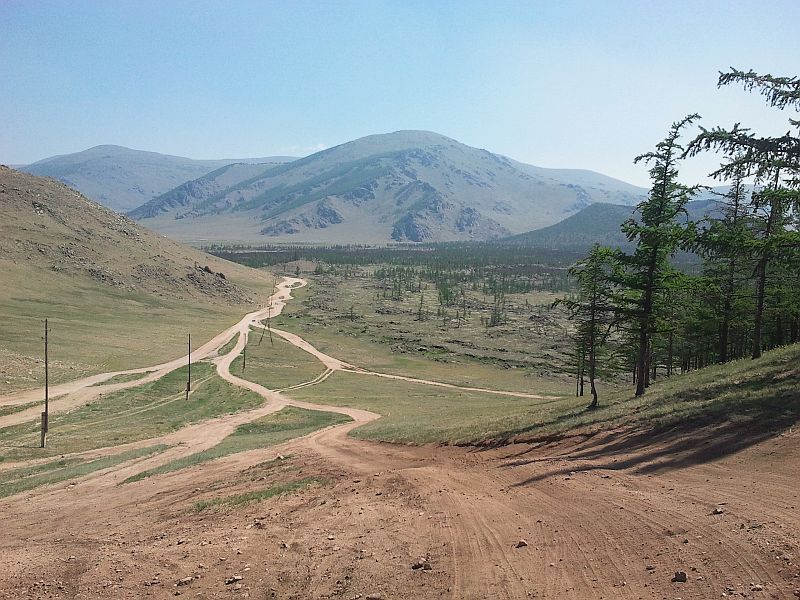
(724, 244)
(594, 312)
(774, 163)
(658, 235)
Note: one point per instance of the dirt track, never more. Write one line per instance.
(605, 517)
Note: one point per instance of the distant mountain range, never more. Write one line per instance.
(598, 223)
(407, 186)
(123, 179)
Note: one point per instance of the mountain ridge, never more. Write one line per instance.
(123, 178)
(405, 186)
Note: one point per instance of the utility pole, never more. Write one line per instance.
(189, 359)
(244, 356)
(269, 311)
(46, 412)
(269, 324)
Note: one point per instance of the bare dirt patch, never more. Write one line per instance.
(371, 512)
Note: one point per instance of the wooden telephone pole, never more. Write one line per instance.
(189, 359)
(46, 412)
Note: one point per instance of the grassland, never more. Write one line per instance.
(416, 413)
(349, 317)
(763, 394)
(229, 346)
(264, 432)
(122, 378)
(386, 336)
(135, 414)
(118, 332)
(15, 408)
(276, 364)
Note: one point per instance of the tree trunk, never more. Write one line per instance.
(641, 360)
(593, 353)
(758, 322)
(654, 364)
(593, 404)
(670, 353)
(779, 339)
(775, 212)
(642, 375)
(724, 330)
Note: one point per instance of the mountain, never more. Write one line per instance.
(598, 223)
(407, 186)
(200, 189)
(122, 179)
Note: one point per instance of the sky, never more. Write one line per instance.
(567, 84)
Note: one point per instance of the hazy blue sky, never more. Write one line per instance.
(557, 84)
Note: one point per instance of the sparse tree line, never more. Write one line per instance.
(453, 257)
(636, 312)
(453, 274)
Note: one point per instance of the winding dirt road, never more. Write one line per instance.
(606, 516)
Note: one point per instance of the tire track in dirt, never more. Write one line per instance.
(207, 434)
(202, 436)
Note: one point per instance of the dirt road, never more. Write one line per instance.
(611, 516)
(70, 395)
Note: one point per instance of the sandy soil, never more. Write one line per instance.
(610, 516)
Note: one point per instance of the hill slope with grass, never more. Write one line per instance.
(122, 178)
(759, 397)
(406, 186)
(598, 223)
(117, 294)
(731, 405)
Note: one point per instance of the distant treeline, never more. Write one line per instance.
(487, 266)
(443, 256)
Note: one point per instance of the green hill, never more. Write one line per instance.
(598, 223)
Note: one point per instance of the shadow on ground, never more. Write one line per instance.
(693, 425)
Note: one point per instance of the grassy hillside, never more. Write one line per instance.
(117, 295)
(737, 404)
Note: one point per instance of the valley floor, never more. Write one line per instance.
(604, 515)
